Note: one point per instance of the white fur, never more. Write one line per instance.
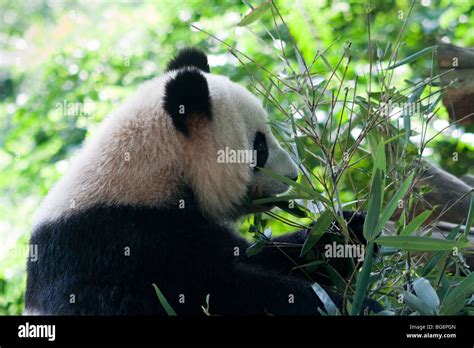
(161, 158)
(32, 312)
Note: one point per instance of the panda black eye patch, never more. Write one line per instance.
(260, 146)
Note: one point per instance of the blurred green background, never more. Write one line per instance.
(65, 64)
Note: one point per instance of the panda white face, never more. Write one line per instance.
(186, 130)
(268, 153)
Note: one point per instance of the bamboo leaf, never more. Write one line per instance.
(470, 216)
(255, 14)
(412, 58)
(299, 142)
(285, 198)
(415, 96)
(399, 135)
(411, 243)
(407, 127)
(167, 307)
(313, 194)
(375, 202)
(301, 64)
(438, 256)
(427, 294)
(392, 205)
(454, 301)
(339, 281)
(415, 223)
(363, 280)
(415, 303)
(300, 147)
(329, 305)
(373, 137)
(433, 262)
(432, 106)
(318, 229)
(380, 161)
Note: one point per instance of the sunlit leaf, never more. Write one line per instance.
(412, 58)
(255, 14)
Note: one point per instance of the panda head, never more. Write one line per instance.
(224, 128)
(185, 133)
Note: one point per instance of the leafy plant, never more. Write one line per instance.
(355, 151)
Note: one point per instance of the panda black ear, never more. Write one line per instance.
(189, 57)
(187, 95)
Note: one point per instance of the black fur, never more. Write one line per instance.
(187, 95)
(179, 250)
(189, 57)
(274, 258)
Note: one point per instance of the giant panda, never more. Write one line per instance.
(147, 202)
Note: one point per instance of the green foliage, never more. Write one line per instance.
(412, 58)
(255, 14)
(454, 301)
(319, 228)
(334, 118)
(66, 65)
